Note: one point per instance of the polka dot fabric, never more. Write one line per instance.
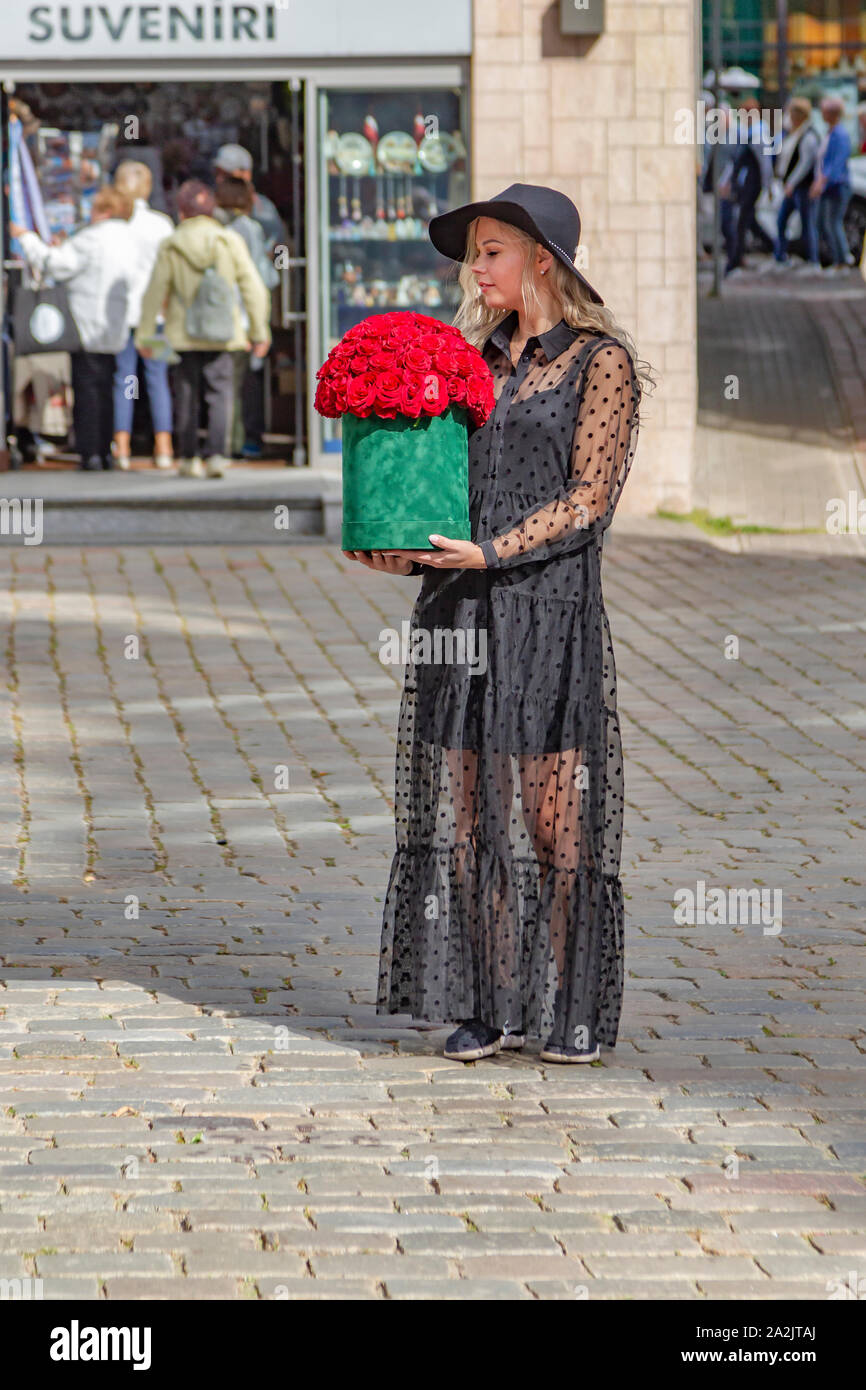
(504, 900)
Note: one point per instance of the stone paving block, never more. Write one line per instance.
(63, 1289)
(315, 1289)
(104, 1263)
(668, 1267)
(122, 1287)
(486, 1290)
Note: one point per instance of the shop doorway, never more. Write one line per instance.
(77, 133)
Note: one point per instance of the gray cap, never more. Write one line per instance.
(233, 159)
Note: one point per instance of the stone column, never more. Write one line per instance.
(595, 117)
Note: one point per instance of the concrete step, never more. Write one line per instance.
(249, 506)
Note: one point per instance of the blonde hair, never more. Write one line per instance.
(802, 105)
(134, 179)
(476, 322)
(112, 203)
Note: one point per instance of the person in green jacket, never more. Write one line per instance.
(205, 367)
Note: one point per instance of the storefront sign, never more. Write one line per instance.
(217, 28)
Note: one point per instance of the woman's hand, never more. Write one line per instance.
(16, 229)
(450, 555)
(389, 562)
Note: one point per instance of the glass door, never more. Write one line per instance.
(389, 161)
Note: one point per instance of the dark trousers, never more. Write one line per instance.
(253, 402)
(240, 362)
(747, 197)
(93, 403)
(207, 374)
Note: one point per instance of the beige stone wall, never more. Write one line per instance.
(595, 118)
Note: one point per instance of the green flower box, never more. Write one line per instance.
(404, 480)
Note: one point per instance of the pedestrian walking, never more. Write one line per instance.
(832, 185)
(97, 265)
(796, 166)
(202, 278)
(504, 909)
(148, 230)
(234, 208)
(233, 162)
(748, 173)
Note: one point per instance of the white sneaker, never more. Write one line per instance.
(163, 460)
(217, 466)
(191, 468)
(122, 461)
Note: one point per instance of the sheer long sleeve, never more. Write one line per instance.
(605, 435)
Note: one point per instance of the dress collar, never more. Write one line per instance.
(552, 342)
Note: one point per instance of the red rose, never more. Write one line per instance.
(341, 401)
(380, 361)
(429, 342)
(417, 360)
(389, 385)
(326, 400)
(445, 360)
(476, 393)
(466, 364)
(456, 390)
(435, 393)
(412, 395)
(403, 330)
(361, 394)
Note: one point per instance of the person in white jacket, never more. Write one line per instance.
(98, 265)
(149, 230)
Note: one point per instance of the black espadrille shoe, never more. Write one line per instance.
(472, 1041)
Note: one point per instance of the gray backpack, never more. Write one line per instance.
(210, 317)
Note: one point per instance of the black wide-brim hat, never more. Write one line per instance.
(546, 214)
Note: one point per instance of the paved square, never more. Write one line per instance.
(198, 1099)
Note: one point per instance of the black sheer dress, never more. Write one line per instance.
(504, 901)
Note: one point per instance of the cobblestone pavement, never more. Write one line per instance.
(198, 1099)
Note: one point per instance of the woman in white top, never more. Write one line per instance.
(149, 230)
(98, 265)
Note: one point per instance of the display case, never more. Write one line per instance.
(389, 162)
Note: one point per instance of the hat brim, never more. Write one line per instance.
(448, 232)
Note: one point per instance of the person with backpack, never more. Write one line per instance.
(203, 278)
(234, 209)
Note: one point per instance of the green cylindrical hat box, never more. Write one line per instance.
(404, 480)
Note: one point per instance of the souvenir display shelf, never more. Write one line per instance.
(389, 162)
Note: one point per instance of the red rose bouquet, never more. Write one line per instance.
(406, 387)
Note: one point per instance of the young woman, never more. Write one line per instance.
(504, 907)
